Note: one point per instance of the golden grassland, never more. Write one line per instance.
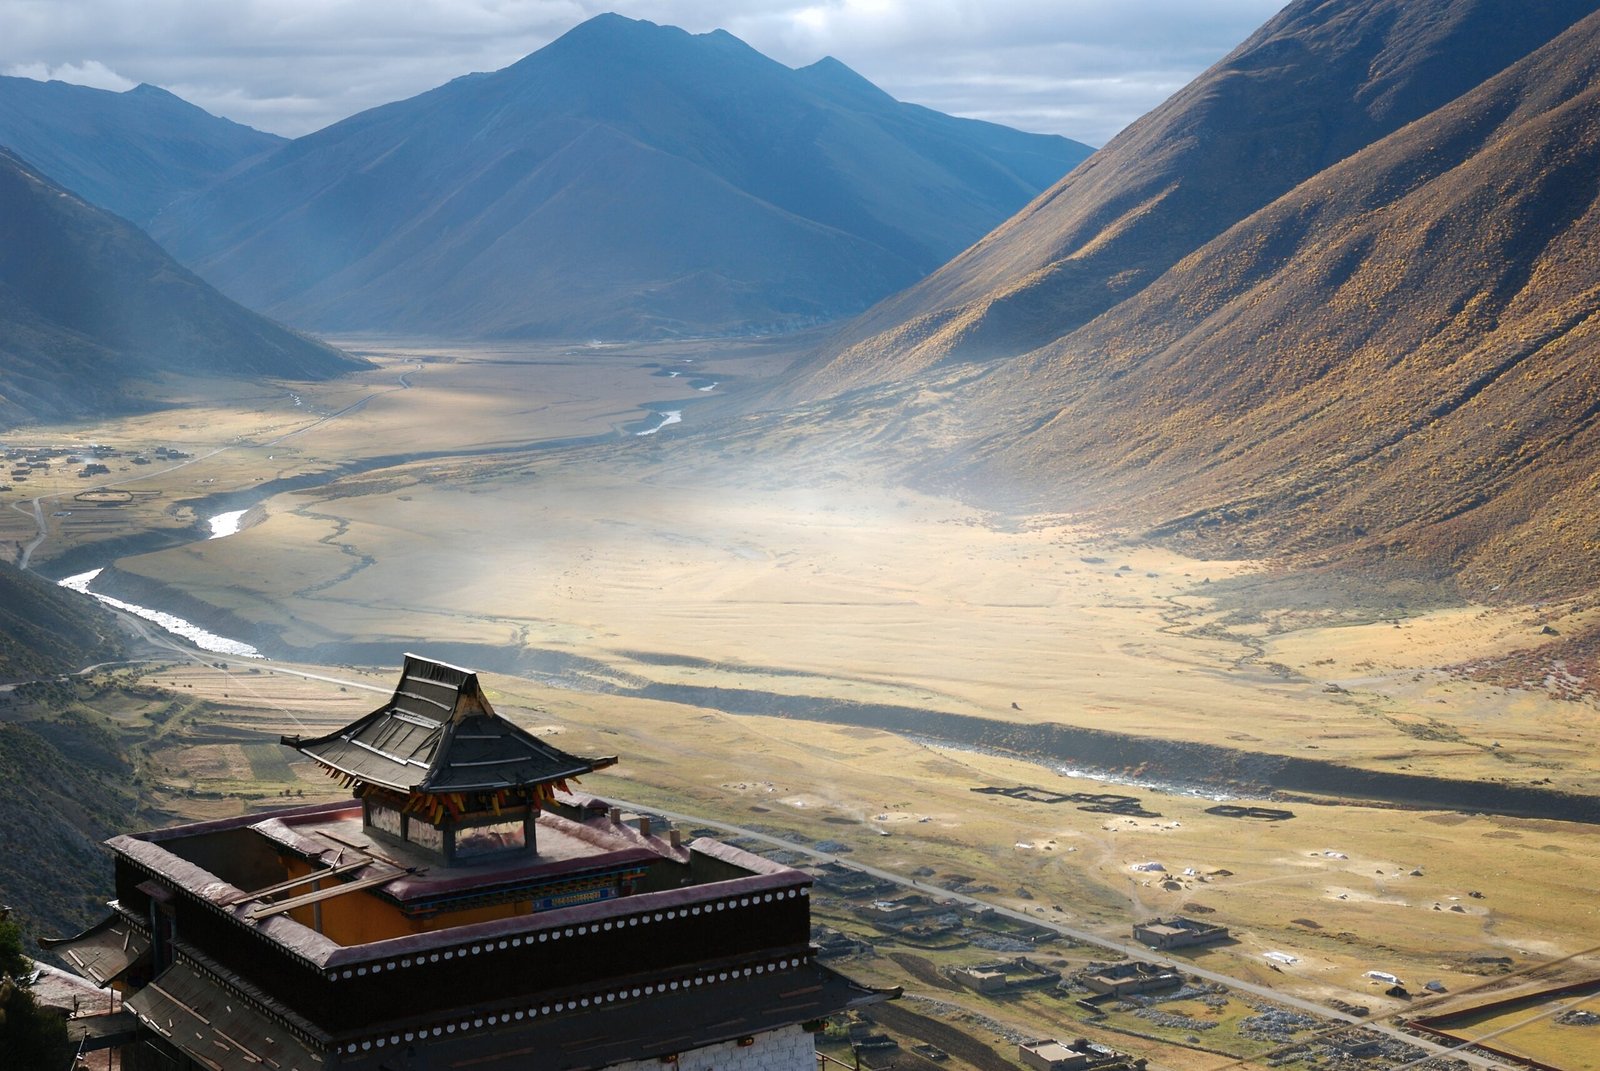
(669, 574)
(418, 399)
(1344, 889)
(1348, 869)
(673, 560)
(1534, 1032)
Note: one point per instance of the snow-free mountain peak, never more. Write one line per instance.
(628, 179)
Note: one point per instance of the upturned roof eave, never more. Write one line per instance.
(428, 787)
(361, 750)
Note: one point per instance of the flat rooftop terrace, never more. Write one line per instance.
(566, 850)
(313, 881)
(685, 945)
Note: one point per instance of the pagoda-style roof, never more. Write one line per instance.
(437, 735)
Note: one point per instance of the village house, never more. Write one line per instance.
(1080, 1055)
(1120, 979)
(1178, 932)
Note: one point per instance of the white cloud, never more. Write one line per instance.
(1084, 68)
(90, 73)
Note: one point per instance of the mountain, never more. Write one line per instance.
(46, 630)
(1317, 83)
(1395, 362)
(89, 304)
(1400, 358)
(131, 153)
(628, 179)
(67, 779)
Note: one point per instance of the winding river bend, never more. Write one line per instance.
(1166, 765)
(668, 417)
(227, 523)
(201, 638)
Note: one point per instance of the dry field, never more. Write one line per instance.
(1341, 889)
(1536, 1031)
(660, 560)
(675, 566)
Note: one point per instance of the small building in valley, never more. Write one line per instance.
(1119, 979)
(1178, 932)
(980, 979)
(1080, 1055)
(1019, 973)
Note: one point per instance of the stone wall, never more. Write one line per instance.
(788, 1048)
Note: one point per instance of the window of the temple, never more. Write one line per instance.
(385, 819)
(421, 833)
(487, 839)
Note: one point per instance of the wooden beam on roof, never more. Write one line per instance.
(325, 894)
(285, 886)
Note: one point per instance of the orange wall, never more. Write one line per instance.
(359, 918)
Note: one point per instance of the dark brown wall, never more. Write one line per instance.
(557, 964)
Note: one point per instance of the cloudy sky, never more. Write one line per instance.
(1083, 68)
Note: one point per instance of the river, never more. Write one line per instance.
(671, 416)
(223, 524)
(226, 524)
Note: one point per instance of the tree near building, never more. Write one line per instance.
(30, 1037)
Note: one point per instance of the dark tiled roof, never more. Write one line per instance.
(439, 734)
(215, 1026)
(103, 951)
(231, 1030)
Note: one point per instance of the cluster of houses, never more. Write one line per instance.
(27, 461)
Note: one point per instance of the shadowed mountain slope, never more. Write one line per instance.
(1320, 81)
(88, 303)
(66, 779)
(46, 630)
(1398, 361)
(628, 179)
(64, 789)
(131, 153)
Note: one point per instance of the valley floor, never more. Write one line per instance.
(716, 614)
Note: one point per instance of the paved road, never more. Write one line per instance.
(158, 637)
(84, 672)
(39, 531)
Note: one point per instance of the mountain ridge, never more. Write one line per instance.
(131, 153)
(1437, 405)
(46, 630)
(647, 138)
(1317, 82)
(89, 304)
(1389, 367)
